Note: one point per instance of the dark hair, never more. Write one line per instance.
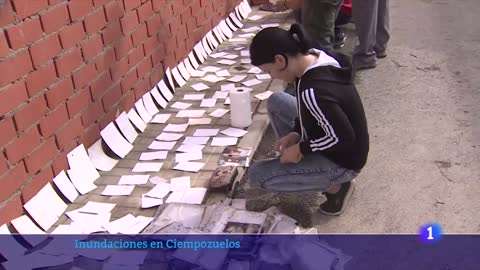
(274, 40)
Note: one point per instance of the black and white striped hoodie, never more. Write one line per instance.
(331, 116)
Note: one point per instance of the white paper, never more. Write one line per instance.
(254, 70)
(140, 224)
(225, 29)
(149, 104)
(178, 78)
(237, 78)
(24, 225)
(212, 78)
(207, 48)
(157, 155)
(217, 55)
(159, 191)
(270, 25)
(97, 208)
(245, 61)
(188, 65)
(263, 76)
(183, 71)
(208, 103)
(147, 167)
(198, 73)
(264, 95)
(227, 101)
(218, 34)
(211, 69)
(175, 197)
(65, 186)
(220, 95)
(238, 40)
(78, 159)
(235, 20)
(194, 195)
(255, 17)
(181, 105)
(199, 121)
(234, 132)
(223, 73)
(156, 145)
(161, 118)
(227, 87)
(117, 225)
(193, 96)
(200, 52)
(148, 202)
(142, 111)
(83, 187)
(224, 141)
(245, 53)
(45, 207)
(166, 93)
(189, 166)
(180, 183)
(226, 62)
(193, 60)
(115, 140)
(166, 136)
(200, 87)
(195, 140)
(251, 82)
(136, 120)
(99, 159)
(156, 180)
(126, 127)
(190, 148)
(170, 79)
(159, 98)
(117, 190)
(247, 35)
(219, 112)
(251, 29)
(230, 56)
(206, 132)
(176, 127)
(190, 113)
(188, 156)
(139, 179)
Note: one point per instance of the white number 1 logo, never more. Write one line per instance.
(430, 232)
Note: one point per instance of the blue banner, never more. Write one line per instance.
(239, 252)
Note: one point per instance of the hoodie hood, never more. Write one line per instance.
(331, 66)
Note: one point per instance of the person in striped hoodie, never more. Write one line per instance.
(322, 131)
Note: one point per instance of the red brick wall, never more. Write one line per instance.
(67, 67)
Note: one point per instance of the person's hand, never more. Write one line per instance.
(292, 154)
(286, 141)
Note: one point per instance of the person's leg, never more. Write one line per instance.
(365, 17)
(282, 111)
(318, 18)
(383, 26)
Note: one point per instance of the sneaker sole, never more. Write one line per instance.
(347, 198)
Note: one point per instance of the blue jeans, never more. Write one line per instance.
(314, 172)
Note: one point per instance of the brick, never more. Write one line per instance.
(12, 96)
(107, 118)
(22, 146)
(79, 8)
(144, 67)
(92, 47)
(55, 19)
(129, 21)
(6, 14)
(93, 23)
(150, 45)
(41, 156)
(22, 64)
(11, 210)
(105, 60)
(123, 47)
(158, 55)
(169, 61)
(68, 62)
(84, 76)
(92, 113)
(4, 49)
(25, 8)
(24, 33)
(68, 133)
(112, 97)
(12, 181)
(8, 131)
(54, 2)
(191, 25)
(41, 79)
(79, 102)
(59, 93)
(90, 135)
(177, 7)
(100, 85)
(190, 43)
(141, 88)
(119, 69)
(60, 163)
(174, 24)
(99, 3)
(135, 56)
(54, 119)
(157, 74)
(139, 35)
(114, 10)
(171, 45)
(112, 33)
(181, 34)
(158, 4)
(127, 102)
(3, 165)
(30, 114)
(145, 11)
(36, 184)
(153, 25)
(72, 35)
(131, 4)
(45, 50)
(129, 80)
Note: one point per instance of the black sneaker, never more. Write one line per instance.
(337, 202)
(340, 38)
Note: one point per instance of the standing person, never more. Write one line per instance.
(322, 132)
(372, 23)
